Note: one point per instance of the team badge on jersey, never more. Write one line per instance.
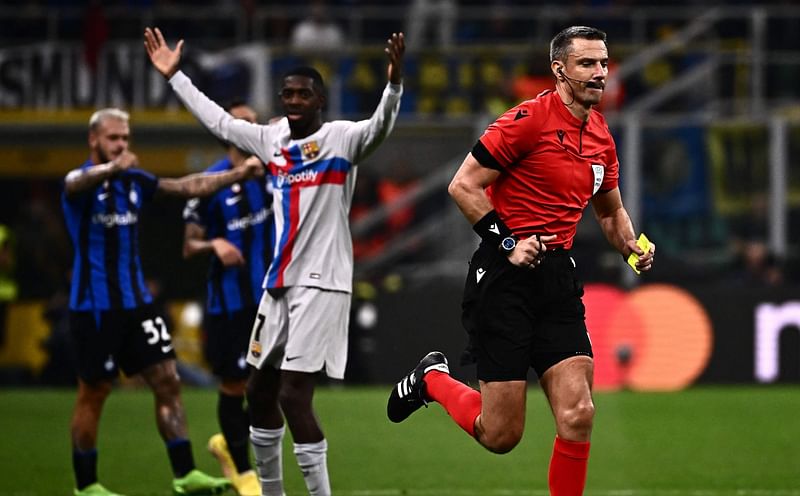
(255, 349)
(310, 149)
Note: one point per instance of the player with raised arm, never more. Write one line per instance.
(234, 226)
(524, 188)
(302, 321)
(112, 319)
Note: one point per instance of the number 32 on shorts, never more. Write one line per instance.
(156, 331)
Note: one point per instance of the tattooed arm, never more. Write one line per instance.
(202, 184)
(80, 180)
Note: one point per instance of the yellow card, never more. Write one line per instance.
(642, 243)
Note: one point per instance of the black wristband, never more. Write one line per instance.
(491, 229)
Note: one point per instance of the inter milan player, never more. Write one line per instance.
(524, 187)
(301, 324)
(112, 319)
(235, 227)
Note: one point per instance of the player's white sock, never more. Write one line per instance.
(267, 448)
(312, 458)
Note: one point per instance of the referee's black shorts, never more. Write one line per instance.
(518, 317)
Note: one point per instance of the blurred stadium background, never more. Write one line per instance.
(704, 102)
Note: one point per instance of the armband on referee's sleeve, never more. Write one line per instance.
(491, 228)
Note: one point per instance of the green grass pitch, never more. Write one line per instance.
(741, 441)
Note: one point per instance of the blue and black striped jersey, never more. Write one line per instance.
(242, 214)
(103, 223)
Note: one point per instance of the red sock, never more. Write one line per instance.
(568, 467)
(460, 401)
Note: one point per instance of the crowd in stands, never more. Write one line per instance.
(429, 23)
(466, 57)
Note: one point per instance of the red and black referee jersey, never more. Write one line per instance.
(550, 163)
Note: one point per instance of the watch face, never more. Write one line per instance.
(509, 243)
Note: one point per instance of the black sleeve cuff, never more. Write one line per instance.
(491, 229)
(485, 158)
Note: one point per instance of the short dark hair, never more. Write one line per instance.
(235, 102)
(560, 44)
(310, 73)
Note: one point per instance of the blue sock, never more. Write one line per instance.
(180, 456)
(84, 464)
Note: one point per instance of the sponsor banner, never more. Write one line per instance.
(47, 92)
(757, 334)
(32, 120)
(656, 337)
(55, 76)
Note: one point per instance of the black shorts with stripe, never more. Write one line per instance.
(113, 340)
(518, 317)
(227, 339)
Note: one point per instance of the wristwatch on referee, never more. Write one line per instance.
(508, 244)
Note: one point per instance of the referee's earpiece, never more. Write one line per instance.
(560, 72)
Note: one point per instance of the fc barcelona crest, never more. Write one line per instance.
(310, 149)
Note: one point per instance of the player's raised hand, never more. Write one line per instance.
(164, 59)
(395, 48)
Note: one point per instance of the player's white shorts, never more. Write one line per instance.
(305, 330)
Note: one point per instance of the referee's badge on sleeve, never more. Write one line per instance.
(599, 172)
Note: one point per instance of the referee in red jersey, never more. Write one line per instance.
(524, 188)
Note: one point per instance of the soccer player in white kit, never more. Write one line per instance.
(302, 320)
